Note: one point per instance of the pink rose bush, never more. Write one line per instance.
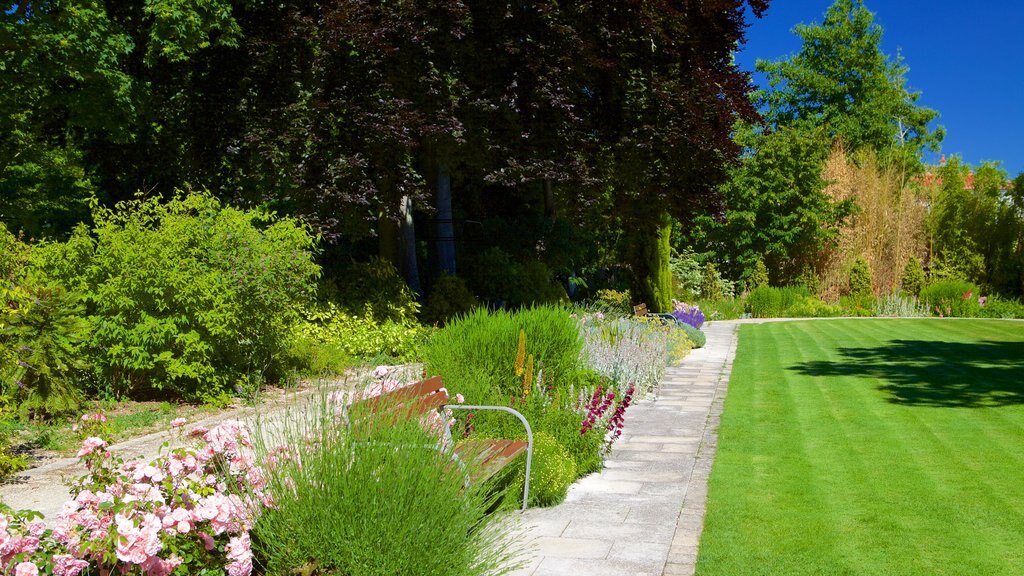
(184, 513)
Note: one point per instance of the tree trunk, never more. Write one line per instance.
(652, 279)
(407, 246)
(549, 202)
(445, 223)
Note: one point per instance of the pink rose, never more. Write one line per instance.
(26, 569)
(177, 423)
(91, 444)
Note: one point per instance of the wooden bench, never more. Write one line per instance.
(482, 458)
(641, 310)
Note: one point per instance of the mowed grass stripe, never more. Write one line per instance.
(870, 447)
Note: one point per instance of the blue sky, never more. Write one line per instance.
(966, 58)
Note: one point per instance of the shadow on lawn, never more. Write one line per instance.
(930, 373)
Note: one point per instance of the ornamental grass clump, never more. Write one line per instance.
(375, 499)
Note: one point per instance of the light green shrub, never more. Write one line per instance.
(759, 276)
(614, 301)
(449, 299)
(913, 277)
(357, 336)
(188, 297)
(477, 352)
(377, 287)
(553, 471)
(860, 285)
(711, 284)
(687, 275)
(774, 302)
(693, 334)
(383, 502)
(812, 307)
(997, 307)
(952, 298)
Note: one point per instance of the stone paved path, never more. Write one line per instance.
(643, 514)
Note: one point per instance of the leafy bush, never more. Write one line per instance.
(695, 335)
(952, 298)
(812, 307)
(808, 278)
(860, 286)
(614, 301)
(376, 289)
(553, 471)
(711, 284)
(727, 309)
(759, 276)
(687, 275)
(477, 353)
(397, 503)
(187, 297)
(899, 305)
(913, 277)
(996, 307)
(46, 330)
(773, 302)
(330, 332)
(496, 277)
(449, 299)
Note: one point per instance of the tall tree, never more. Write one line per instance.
(843, 81)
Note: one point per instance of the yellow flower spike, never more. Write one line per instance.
(521, 352)
(528, 377)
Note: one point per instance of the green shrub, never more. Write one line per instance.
(386, 502)
(727, 309)
(996, 307)
(774, 302)
(759, 276)
(496, 277)
(711, 284)
(860, 284)
(564, 423)
(187, 297)
(359, 336)
(10, 461)
(476, 354)
(913, 277)
(375, 288)
(614, 301)
(46, 331)
(449, 299)
(952, 298)
(812, 307)
(696, 336)
(553, 471)
(808, 278)
(687, 275)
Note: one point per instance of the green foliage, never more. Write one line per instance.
(449, 299)
(997, 307)
(563, 422)
(620, 302)
(952, 298)
(47, 331)
(554, 470)
(376, 289)
(186, 297)
(773, 302)
(397, 502)
(842, 81)
(476, 354)
(808, 278)
(496, 277)
(710, 286)
(860, 285)
(759, 276)
(913, 277)
(812, 307)
(327, 335)
(696, 336)
(687, 275)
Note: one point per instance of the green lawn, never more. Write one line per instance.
(871, 447)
